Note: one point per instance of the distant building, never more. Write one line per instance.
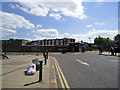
(13, 45)
(38, 45)
(52, 42)
(49, 44)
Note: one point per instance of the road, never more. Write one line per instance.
(89, 70)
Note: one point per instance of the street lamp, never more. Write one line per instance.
(89, 40)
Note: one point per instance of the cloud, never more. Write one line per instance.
(47, 32)
(100, 0)
(98, 23)
(39, 25)
(38, 11)
(6, 32)
(73, 8)
(38, 37)
(56, 16)
(89, 26)
(95, 33)
(92, 34)
(12, 6)
(12, 21)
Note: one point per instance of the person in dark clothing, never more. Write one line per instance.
(112, 51)
(100, 51)
(63, 51)
(83, 49)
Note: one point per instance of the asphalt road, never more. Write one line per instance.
(89, 70)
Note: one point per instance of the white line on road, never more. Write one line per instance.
(82, 62)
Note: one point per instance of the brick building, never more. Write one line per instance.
(52, 42)
(13, 45)
(49, 44)
(38, 45)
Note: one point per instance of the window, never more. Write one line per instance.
(53, 41)
(49, 43)
(61, 43)
(56, 41)
(10, 41)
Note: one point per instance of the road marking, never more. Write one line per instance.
(54, 81)
(76, 53)
(61, 81)
(64, 82)
(84, 63)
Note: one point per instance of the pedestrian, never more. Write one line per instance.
(112, 50)
(100, 51)
(83, 49)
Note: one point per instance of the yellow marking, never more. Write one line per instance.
(61, 81)
(65, 81)
(54, 81)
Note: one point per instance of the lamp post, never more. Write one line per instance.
(89, 40)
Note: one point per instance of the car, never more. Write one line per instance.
(31, 69)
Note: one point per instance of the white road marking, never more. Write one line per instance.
(76, 53)
(82, 62)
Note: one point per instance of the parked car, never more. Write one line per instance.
(31, 69)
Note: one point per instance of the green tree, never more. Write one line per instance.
(11, 39)
(117, 40)
(103, 42)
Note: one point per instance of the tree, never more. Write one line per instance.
(11, 39)
(117, 40)
(103, 42)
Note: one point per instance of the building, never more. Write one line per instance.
(52, 42)
(13, 45)
(49, 44)
(38, 45)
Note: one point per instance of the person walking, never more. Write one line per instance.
(112, 51)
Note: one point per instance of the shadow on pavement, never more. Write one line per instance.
(25, 73)
(31, 83)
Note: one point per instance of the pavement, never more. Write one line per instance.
(89, 70)
(13, 73)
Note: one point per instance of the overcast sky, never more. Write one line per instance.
(74, 19)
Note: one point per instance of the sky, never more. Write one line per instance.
(47, 20)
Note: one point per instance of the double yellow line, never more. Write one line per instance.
(63, 81)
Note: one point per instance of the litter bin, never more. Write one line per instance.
(36, 62)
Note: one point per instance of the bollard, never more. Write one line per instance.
(37, 67)
(45, 59)
(36, 61)
(23, 53)
(44, 54)
(37, 54)
(47, 53)
(40, 71)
